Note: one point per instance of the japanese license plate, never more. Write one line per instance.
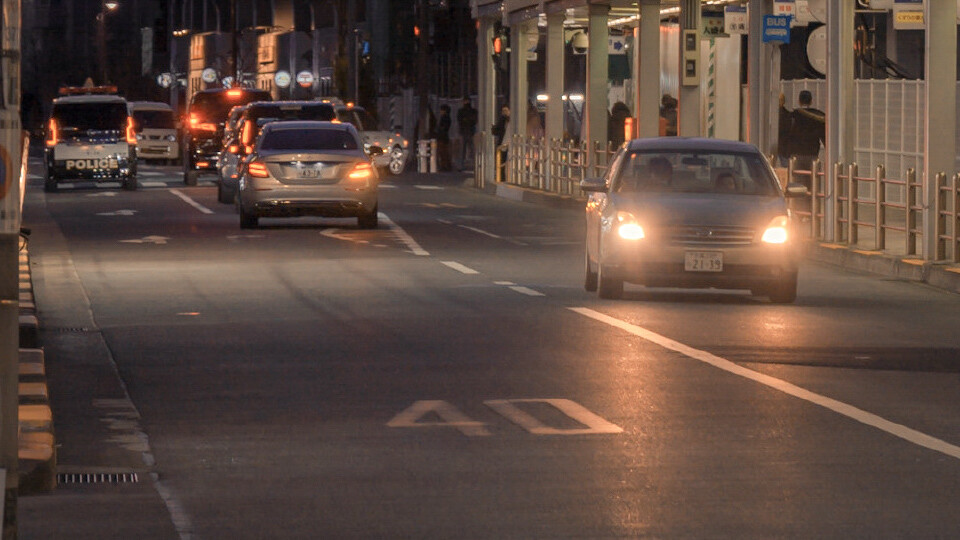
(310, 172)
(703, 261)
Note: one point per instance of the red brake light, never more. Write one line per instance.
(193, 120)
(361, 171)
(131, 133)
(247, 135)
(234, 149)
(53, 133)
(234, 92)
(258, 169)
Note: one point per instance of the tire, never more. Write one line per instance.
(369, 220)
(224, 195)
(785, 291)
(590, 277)
(130, 183)
(397, 164)
(608, 287)
(190, 178)
(50, 184)
(247, 220)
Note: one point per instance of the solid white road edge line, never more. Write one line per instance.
(191, 202)
(459, 267)
(404, 237)
(870, 419)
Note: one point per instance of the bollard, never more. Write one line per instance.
(939, 226)
(433, 155)
(853, 192)
(423, 155)
(911, 221)
(815, 202)
(880, 233)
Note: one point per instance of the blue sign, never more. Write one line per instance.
(776, 28)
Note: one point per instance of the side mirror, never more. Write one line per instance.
(796, 189)
(593, 185)
(374, 150)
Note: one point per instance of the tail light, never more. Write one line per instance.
(246, 133)
(193, 121)
(233, 149)
(53, 133)
(131, 133)
(361, 171)
(196, 124)
(258, 169)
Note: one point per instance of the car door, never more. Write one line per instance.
(596, 204)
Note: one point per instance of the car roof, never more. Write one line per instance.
(150, 106)
(307, 124)
(90, 98)
(691, 144)
(287, 103)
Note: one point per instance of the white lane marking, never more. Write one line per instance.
(445, 222)
(148, 240)
(118, 213)
(525, 290)
(191, 202)
(897, 430)
(595, 424)
(34, 177)
(102, 194)
(450, 416)
(408, 240)
(152, 184)
(151, 173)
(459, 267)
(428, 188)
(387, 186)
(508, 283)
(491, 235)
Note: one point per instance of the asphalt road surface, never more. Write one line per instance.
(446, 376)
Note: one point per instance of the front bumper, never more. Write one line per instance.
(158, 150)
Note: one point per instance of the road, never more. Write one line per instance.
(446, 376)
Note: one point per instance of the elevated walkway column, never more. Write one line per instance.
(648, 68)
(486, 99)
(940, 130)
(598, 74)
(688, 114)
(840, 101)
(519, 78)
(759, 62)
(553, 126)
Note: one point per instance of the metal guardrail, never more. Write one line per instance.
(948, 218)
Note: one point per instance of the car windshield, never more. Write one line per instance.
(215, 106)
(155, 119)
(321, 112)
(95, 116)
(309, 140)
(695, 172)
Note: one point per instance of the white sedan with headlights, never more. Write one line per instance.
(691, 213)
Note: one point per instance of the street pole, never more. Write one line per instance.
(172, 50)
(102, 44)
(235, 47)
(423, 80)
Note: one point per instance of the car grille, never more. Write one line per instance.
(715, 235)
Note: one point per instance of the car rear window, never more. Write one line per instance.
(86, 116)
(154, 119)
(215, 106)
(695, 172)
(309, 139)
(318, 111)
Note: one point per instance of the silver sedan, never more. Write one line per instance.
(308, 168)
(692, 213)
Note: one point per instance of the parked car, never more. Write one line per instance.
(396, 147)
(692, 213)
(156, 127)
(90, 136)
(252, 118)
(203, 130)
(311, 168)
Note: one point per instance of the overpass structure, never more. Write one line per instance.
(728, 88)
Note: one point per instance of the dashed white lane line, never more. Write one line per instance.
(153, 184)
(459, 267)
(191, 202)
(525, 290)
(897, 430)
(404, 237)
(428, 188)
(480, 231)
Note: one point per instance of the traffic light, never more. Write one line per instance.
(501, 46)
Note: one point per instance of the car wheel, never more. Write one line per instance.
(396, 160)
(50, 184)
(608, 286)
(369, 220)
(248, 220)
(590, 276)
(785, 291)
(224, 195)
(130, 183)
(190, 178)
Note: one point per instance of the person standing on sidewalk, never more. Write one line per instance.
(467, 125)
(443, 138)
(805, 130)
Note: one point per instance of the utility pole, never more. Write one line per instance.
(235, 47)
(423, 81)
(351, 42)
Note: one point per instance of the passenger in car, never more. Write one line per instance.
(725, 183)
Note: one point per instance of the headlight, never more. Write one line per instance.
(172, 138)
(627, 226)
(776, 232)
(139, 136)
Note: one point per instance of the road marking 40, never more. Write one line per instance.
(450, 416)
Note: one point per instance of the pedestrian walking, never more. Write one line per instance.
(467, 126)
(668, 116)
(443, 138)
(801, 132)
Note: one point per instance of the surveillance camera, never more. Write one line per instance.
(579, 42)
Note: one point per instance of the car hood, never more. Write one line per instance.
(701, 209)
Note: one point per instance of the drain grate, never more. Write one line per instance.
(97, 478)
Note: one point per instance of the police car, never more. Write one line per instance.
(90, 136)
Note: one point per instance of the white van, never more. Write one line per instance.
(156, 127)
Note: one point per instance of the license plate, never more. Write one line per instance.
(703, 261)
(310, 173)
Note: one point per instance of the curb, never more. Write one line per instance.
(37, 445)
(940, 275)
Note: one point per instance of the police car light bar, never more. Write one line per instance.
(79, 90)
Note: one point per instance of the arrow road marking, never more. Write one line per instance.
(148, 240)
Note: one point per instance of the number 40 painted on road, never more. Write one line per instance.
(452, 417)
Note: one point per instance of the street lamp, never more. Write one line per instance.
(107, 7)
